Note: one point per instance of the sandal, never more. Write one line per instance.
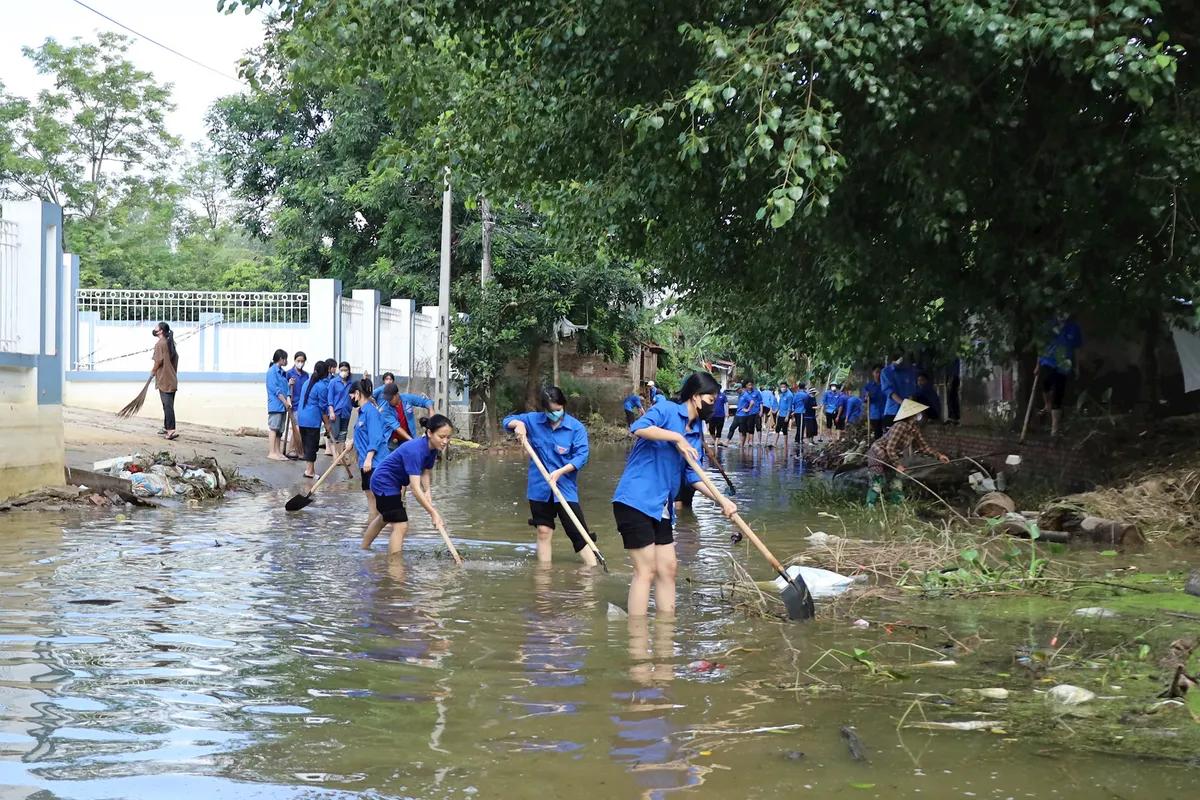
(162, 431)
(173, 437)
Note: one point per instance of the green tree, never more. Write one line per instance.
(859, 175)
(100, 129)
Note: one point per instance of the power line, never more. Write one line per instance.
(152, 41)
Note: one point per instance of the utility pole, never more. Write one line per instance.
(485, 211)
(442, 401)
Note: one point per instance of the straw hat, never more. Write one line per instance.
(910, 408)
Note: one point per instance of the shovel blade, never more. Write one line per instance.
(298, 502)
(797, 599)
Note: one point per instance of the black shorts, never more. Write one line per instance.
(686, 493)
(888, 421)
(746, 425)
(828, 420)
(807, 429)
(543, 513)
(715, 426)
(391, 507)
(781, 425)
(310, 438)
(757, 422)
(639, 530)
(1054, 383)
(366, 479)
(840, 423)
(630, 416)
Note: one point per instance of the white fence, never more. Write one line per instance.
(9, 296)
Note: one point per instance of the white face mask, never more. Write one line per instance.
(345, 373)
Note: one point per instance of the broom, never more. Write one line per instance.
(134, 407)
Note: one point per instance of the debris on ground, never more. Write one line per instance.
(858, 750)
(820, 582)
(161, 475)
(1159, 503)
(60, 498)
(1067, 695)
(967, 725)
(1193, 584)
(258, 433)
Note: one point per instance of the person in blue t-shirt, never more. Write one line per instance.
(398, 414)
(854, 409)
(829, 404)
(633, 408)
(876, 401)
(339, 398)
(377, 394)
(561, 443)
(749, 412)
(297, 377)
(716, 423)
(899, 381)
(370, 438)
(312, 414)
(409, 466)
(735, 401)
(926, 394)
(1057, 363)
(279, 403)
(644, 502)
(805, 405)
(783, 415)
(769, 404)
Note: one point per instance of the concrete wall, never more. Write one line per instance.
(201, 400)
(31, 368)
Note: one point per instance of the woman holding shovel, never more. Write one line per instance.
(408, 466)
(561, 442)
(644, 503)
(314, 409)
(370, 437)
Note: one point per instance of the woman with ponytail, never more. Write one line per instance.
(314, 404)
(408, 466)
(644, 503)
(166, 375)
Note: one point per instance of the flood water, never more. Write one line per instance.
(237, 651)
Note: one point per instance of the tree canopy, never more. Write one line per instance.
(832, 177)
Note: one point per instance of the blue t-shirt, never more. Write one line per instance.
(854, 409)
(632, 402)
(1060, 355)
(411, 458)
(750, 403)
(556, 447)
(719, 405)
(785, 403)
(314, 405)
(300, 377)
(768, 399)
(808, 404)
(370, 435)
(276, 385)
(899, 379)
(829, 401)
(339, 396)
(874, 392)
(652, 473)
(928, 395)
(409, 402)
(658, 398)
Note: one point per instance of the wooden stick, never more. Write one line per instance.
(713, 457)
(446, 538)
(1029, 407)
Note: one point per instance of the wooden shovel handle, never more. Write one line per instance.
(713, 457)
(587, 537)
(330, 470)
(446, 538)
(1029, 405)
(737, 518)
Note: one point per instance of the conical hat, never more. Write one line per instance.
(910, 408)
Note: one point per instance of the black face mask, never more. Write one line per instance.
(706, 411)
(353, 402)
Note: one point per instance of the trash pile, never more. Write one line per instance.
(845, 454)
(60, 498)
(160, 475)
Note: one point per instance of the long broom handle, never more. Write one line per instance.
(1029, 405)
(713, 457)
(737, 518)
(533, 456)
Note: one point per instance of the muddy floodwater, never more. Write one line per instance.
(236, 651)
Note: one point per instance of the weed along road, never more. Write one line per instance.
(239, 651)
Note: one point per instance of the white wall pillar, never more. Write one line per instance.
(28, 216)
(367, 342)
(406, 308)
(325, 317)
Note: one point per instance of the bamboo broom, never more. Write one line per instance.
(134, 407)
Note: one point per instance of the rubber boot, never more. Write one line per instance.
(874, 491)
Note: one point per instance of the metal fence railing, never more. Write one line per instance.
(8, 287)
(237, 308)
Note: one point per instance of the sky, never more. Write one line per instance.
(192, 27)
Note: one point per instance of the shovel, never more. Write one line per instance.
(796, 597)
(712, 456)
(303, 499)
(587, 537)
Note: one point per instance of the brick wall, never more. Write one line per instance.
(1066, 465)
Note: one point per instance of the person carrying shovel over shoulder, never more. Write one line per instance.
(883, 458)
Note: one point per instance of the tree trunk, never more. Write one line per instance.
(485, 210)
(556, 361)
(533, 376)
(1026, 361)
(490, 420)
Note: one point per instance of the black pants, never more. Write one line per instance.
(888, 421)
(715, 424)
(311, 438)
(734, 427)
(953, 408)
(876, 428)
(686, 493)
(168, 401)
